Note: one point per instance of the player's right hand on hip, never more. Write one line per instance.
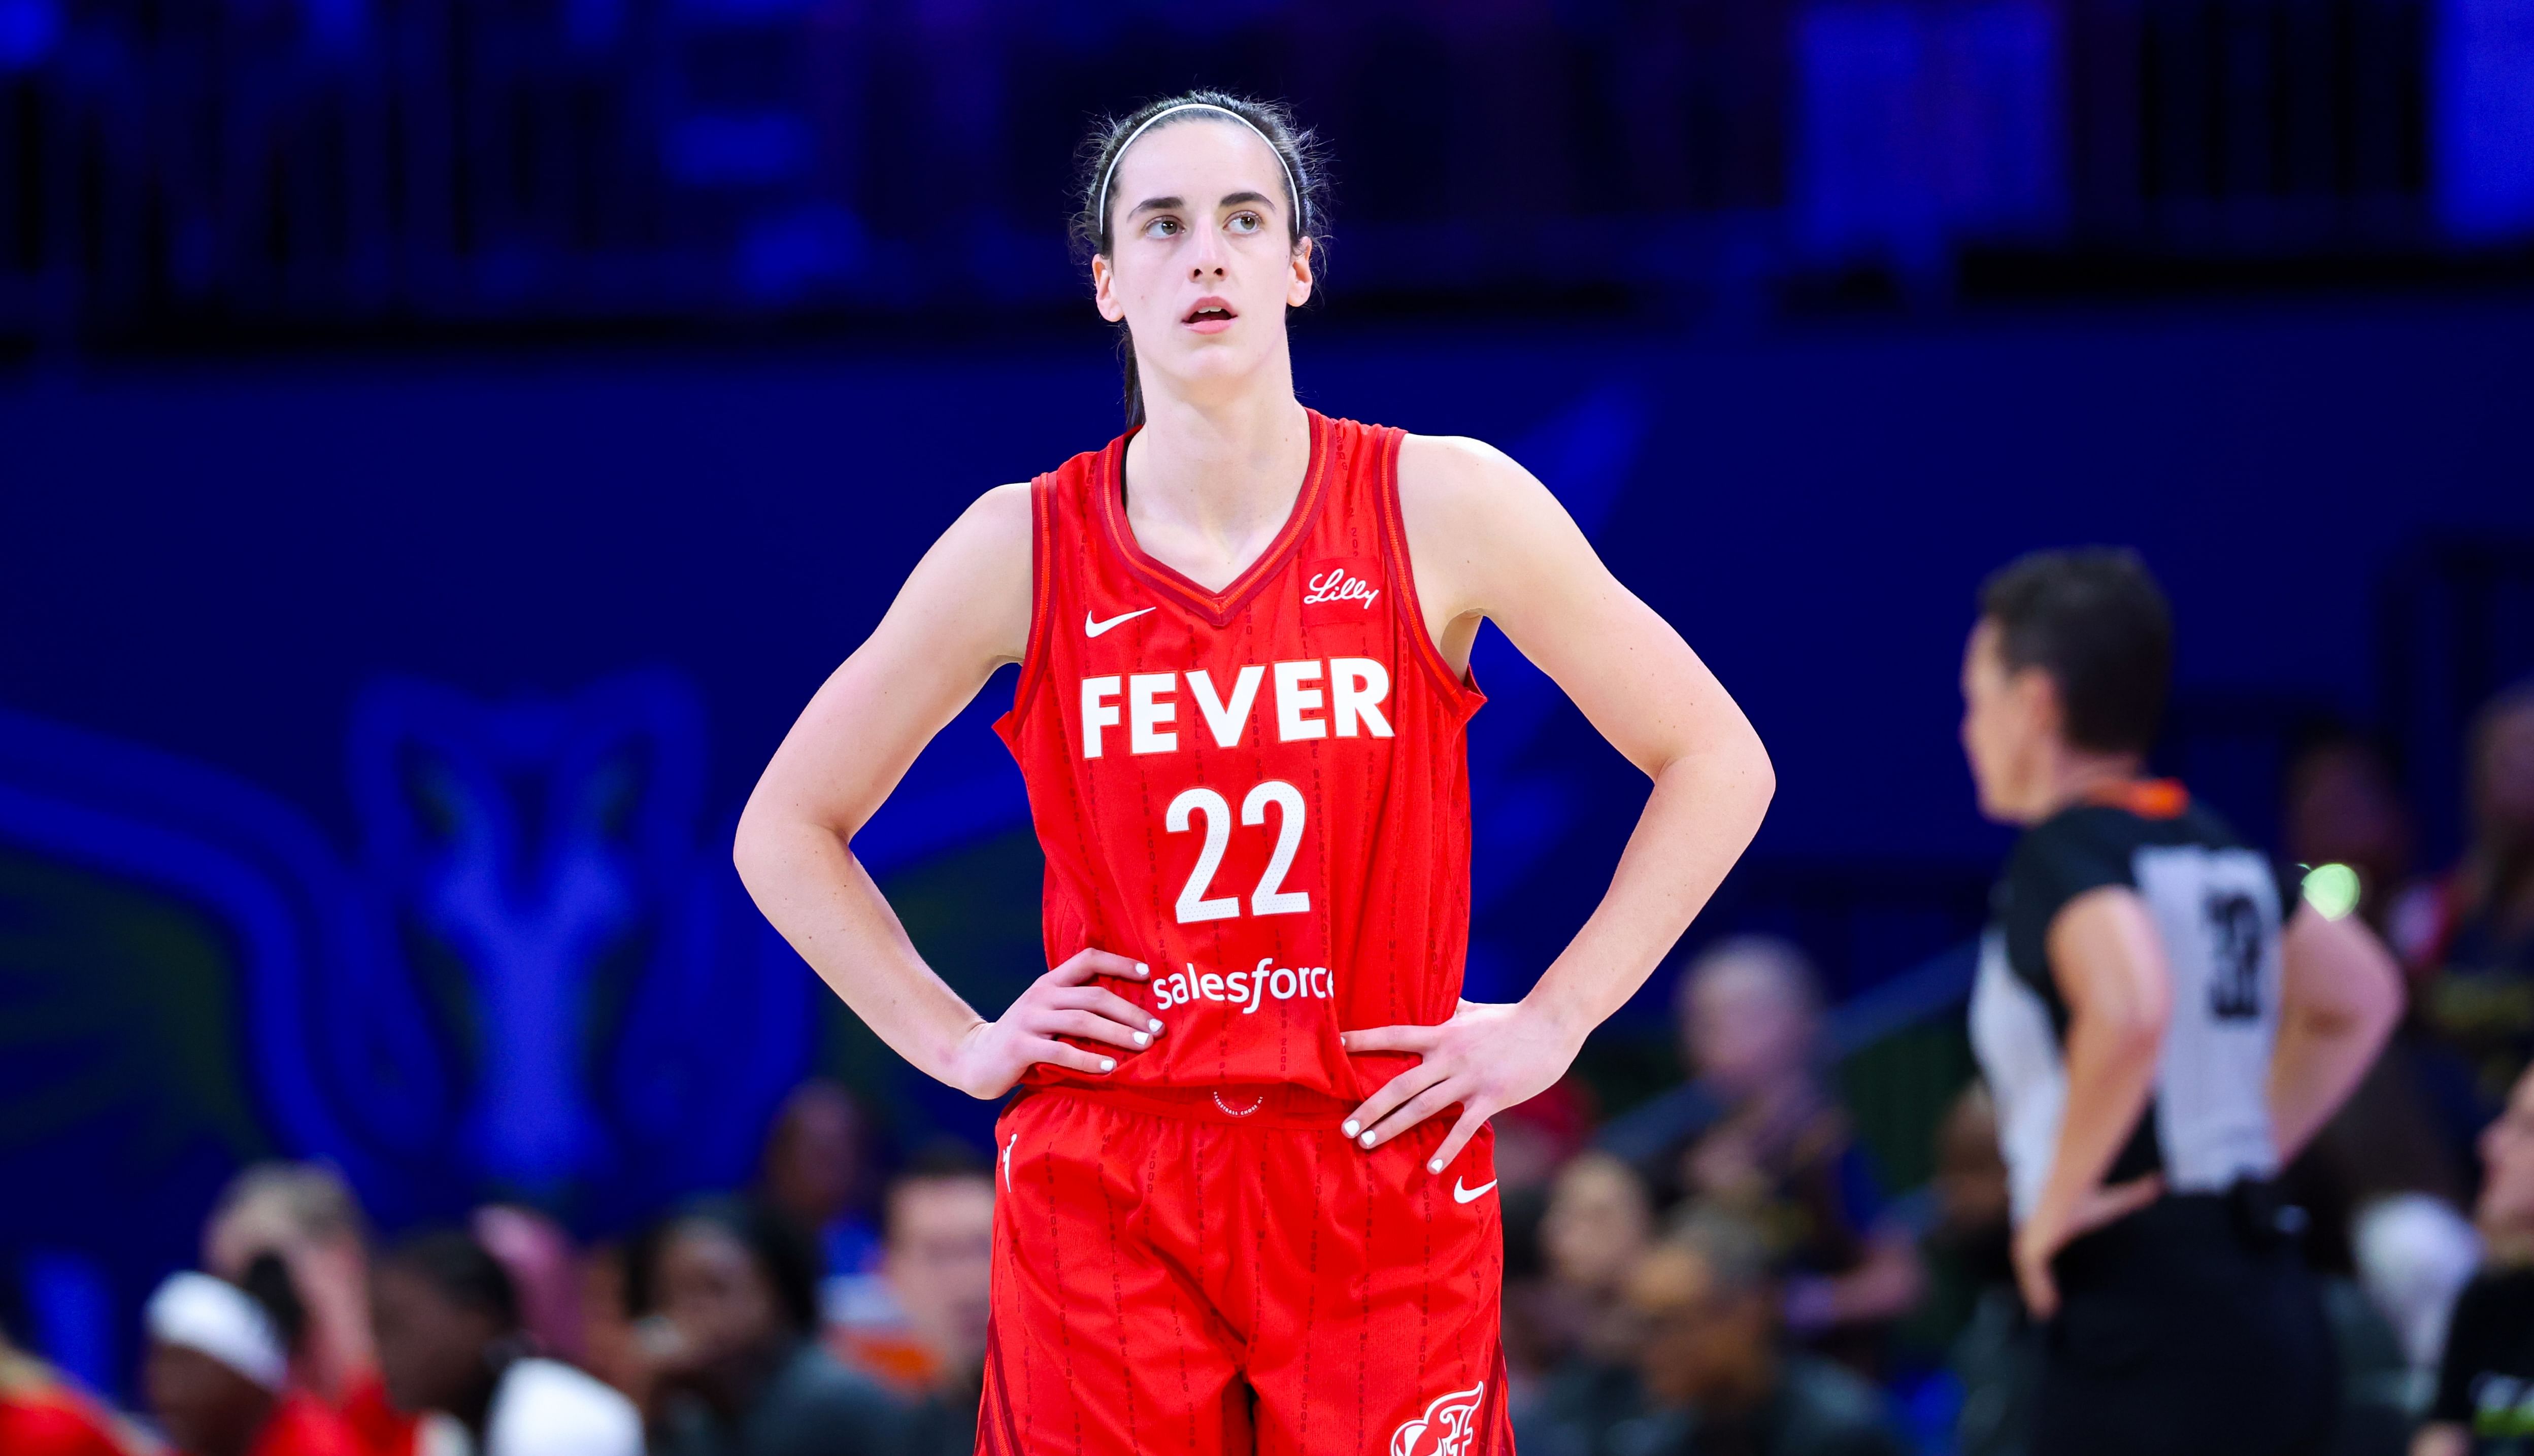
(992, 1054)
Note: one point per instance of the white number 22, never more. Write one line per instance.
(1270, 897)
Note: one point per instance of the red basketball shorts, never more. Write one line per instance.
(1213, 1273)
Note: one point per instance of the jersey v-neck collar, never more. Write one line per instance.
(1217, 608)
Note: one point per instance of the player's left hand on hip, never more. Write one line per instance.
(1487, 1058)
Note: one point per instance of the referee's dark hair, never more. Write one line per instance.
(2095, 621)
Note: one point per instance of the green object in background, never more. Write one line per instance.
(1898, 1089)
(116, 1022)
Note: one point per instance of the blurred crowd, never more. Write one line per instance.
(1721, 1269)
(819, 1313)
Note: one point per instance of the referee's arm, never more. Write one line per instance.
(2339, 995)
(2108, 964)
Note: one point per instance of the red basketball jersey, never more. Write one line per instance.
(1261, 793)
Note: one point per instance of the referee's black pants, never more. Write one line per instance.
(2190, 1326)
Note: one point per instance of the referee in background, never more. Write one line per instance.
(2163, 1023)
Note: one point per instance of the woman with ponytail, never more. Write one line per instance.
(1245, 1199)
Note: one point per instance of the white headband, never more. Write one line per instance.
(221, 1320)
(1292, 192)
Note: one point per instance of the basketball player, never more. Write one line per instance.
(1247, 1199)
(2163, 1023)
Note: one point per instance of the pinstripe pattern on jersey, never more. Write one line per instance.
(1216, 1287)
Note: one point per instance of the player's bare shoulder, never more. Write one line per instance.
(1476, 519)
(969, 597)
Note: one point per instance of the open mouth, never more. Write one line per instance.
(1209, 311)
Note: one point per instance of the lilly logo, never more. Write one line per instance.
(1444, 1429)
(1336, 584)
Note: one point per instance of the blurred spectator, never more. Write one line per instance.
(2481, 944)
(2395, 1158)
(1601, 1221)
(1535, 1142)
(930, 1344)
(305, 1214)
(937, 1254)
(1566, 1332)
(614, 1346)
(2344, 808)
(42, 1413)
(2414, 1254)
(218, 1375)
(1993, 1349)
(1712, 1372)
(726, 1296)
(1536, 1138)
(1760, 1134)
(545, 1272)
(2486, 1378)
(818, 1173)
(451, 1344)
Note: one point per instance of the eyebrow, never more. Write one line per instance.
(1174, 204)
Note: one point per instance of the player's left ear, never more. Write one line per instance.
(1298, 288)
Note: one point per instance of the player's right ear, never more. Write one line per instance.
(1104, 293)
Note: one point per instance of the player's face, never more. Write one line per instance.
(2003, 726)
(1201, 265)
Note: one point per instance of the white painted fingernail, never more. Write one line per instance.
(1108, 1063)
(1155, 1027)
(1142, 969)
(1434, 1167)
(1367, 1140)
(1351, 1127)
(1142, 1037)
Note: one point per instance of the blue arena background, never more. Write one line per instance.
(372, 727)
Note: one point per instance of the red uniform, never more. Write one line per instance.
(301, 1424)
(1262, 794)
(41, 1417)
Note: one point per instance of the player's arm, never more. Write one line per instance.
(964, 613)
(1489, 542)
(2339, 995)
(2109, 966)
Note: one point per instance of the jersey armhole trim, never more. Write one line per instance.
(1463, 695)
(1034, 652)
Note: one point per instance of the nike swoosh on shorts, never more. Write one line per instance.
(1462, 1193)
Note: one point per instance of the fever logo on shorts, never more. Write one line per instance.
(1444, 1429)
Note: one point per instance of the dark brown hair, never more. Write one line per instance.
(2095, 621)
(1306, 186)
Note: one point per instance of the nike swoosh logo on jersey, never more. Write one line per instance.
(1093, 627)
(1462, 1193)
